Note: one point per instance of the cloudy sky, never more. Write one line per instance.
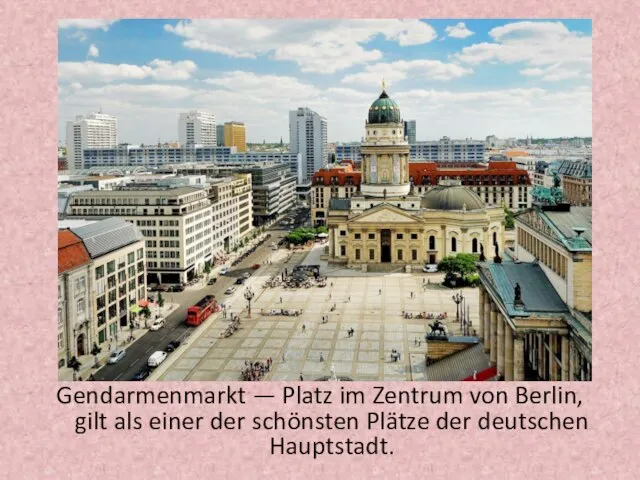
(460, 78)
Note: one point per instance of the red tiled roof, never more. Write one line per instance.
(71, 251)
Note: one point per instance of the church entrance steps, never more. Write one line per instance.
(439, 349)
(459, 365)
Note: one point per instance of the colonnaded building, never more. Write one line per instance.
(387, 222)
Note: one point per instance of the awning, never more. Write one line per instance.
(143, 303)
(135, 309)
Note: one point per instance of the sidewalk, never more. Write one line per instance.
(89, 361)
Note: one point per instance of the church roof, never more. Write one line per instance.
(456, 197)
(384, 110)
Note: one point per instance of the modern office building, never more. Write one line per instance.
(348, 152)
(410, 131)
(176, 224)
(96, 130)
(308, 136)
(101, 280)
(448, 150)
(235, 135)
(197, 128)
(220, 135)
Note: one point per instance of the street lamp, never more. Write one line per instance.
(248, 295)
(458, 299)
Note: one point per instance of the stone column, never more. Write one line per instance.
(493, 353)
(553, 364)
(487, 324)
(542, 365)
(508, 353)
(572, 362)
(518, 358)
(480, 330)
(500, 341)
(565, 359)
(331, 242)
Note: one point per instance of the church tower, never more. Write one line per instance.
(385, 151)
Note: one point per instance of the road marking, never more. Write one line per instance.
(134, 363)
(117, 377)
(148, 349)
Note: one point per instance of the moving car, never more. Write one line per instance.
(116, 356)
(157, 325)
(430, 268)
(247, 274)
(230, 290)
(156, 358)
(224, 270)
(173, 344)
(212, 281)
(240, 281)
(142, 374)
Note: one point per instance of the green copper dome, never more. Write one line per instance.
(384, 110)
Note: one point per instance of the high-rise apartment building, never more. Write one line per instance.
(410, 130)
(235, 135)
(197, 128)
(308, 136)
(96, 130)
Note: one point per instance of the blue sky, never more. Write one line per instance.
(460, 78)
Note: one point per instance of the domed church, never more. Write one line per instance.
(386, 223)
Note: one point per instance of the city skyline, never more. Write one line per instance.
(461, 79)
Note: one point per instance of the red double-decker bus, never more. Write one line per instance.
(201, 311)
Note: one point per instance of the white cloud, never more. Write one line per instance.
(549, 49)
(93, 51)
(93, 72)
(402, 69)
(86, 24)
(458, 30)
(315, 45)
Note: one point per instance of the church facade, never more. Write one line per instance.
(386, 222)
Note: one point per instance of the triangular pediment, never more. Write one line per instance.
(532, 218)
(384, 215)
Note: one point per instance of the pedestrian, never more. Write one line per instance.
(301, 378)
(380, 292)
(415, 341)
(283, 358)
(349, 298)
(280, 299)
(475, 374)
(331, 284)
(304, 327)
(321, 357)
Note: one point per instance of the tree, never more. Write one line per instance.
(321, 229)
(457, 267)
(146, 313)
(160, 300)
(509, 222)
(207, 271)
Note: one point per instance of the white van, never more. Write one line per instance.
(157, 358)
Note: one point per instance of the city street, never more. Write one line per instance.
(175, 329)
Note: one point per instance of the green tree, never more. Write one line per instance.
(509, 221)
(455, 268)
(321, 229)
(160, 300)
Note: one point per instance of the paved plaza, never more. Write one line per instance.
(369, 303)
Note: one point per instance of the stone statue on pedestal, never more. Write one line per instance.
(482, 257)
(497, 258)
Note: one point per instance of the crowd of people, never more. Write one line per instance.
(425, 315)
(255, 371)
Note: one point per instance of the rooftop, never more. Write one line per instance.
(107, 235)
(71, 252)
(142, 191)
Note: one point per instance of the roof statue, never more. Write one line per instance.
(517, 300)
(384, 85)
(497, 258)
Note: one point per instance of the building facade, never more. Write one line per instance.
(410, 131)
(197, 128)
(96, 130)
(235, 135)
(308, 136)
(348, 152)
(577, 181)
(220, 135)
(496, 183)
(385, 221)
(535, 313)
(176, 224)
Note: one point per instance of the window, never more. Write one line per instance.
(399, 254)
(454, 244)
(357, 254)
(80, 285)
(414, 255)
(60, 318)
(372, 236)
(495, 238)
(101, 302)
(80, 307)
(414, 236)
(399, 236)
(372, 254)
(343, 233)
(343, 250)
(111, 266)
(131, 258)
(99, 272)
(60, 340)
(432, 242)
(474, 245)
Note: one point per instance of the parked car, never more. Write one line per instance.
(240, 281)
(116, 356)
(430, 268)
(255, 266)
(176, 288)
(157, 325)
(224, 270)
(212, 281)
(172, 345)
(246, 274)
(156, 358)
(230, 290)
(142, 374)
